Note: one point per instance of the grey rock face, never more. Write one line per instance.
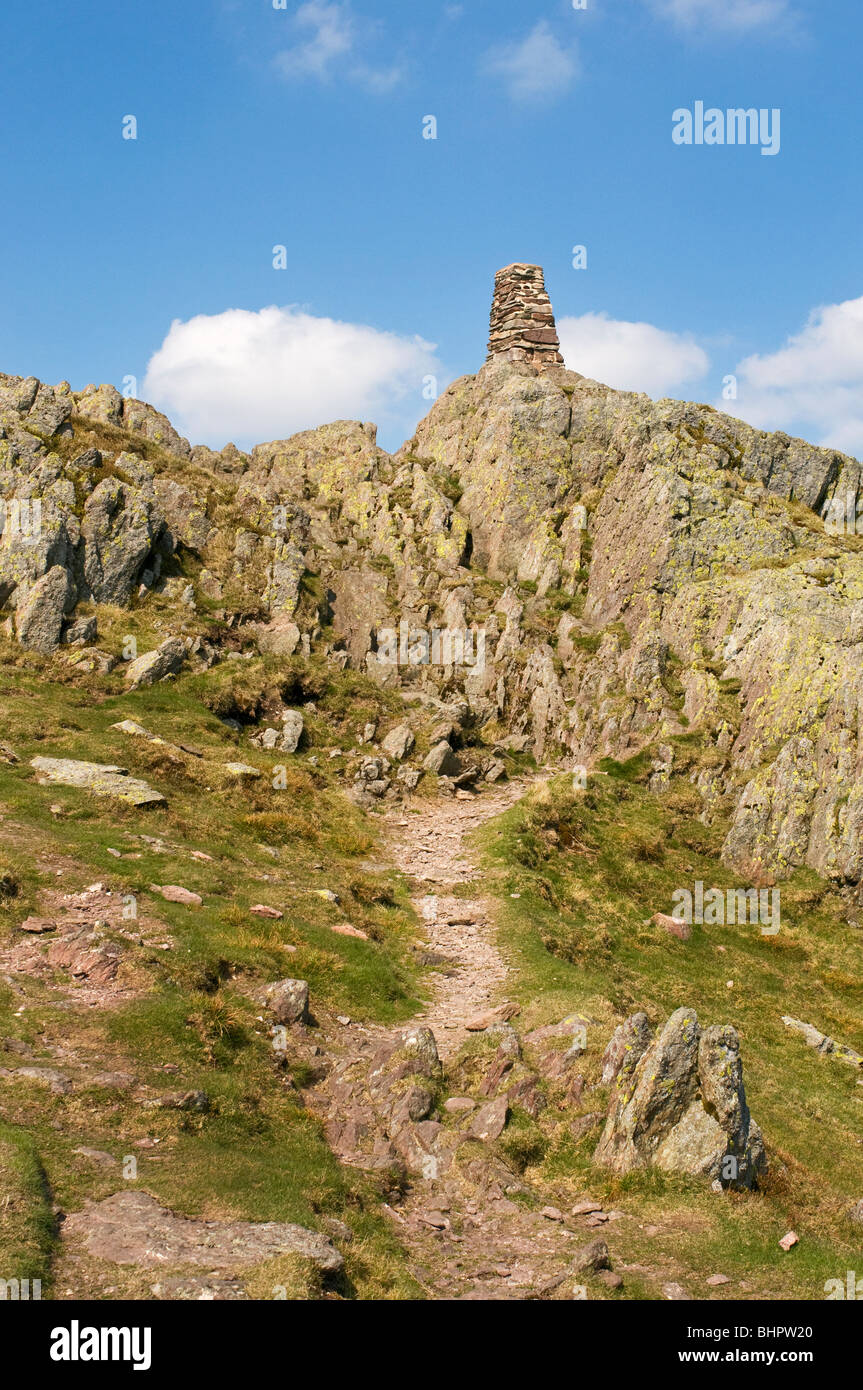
(398, 742)
(39, 620)
(683, 1108)
(185, 520)
(154, 666)
(120, 526)
(442, 760)
(292, 731)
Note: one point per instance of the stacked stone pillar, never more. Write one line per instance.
(522, 325)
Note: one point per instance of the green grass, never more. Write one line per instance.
(26, 1219)
(578, 876)
(258, 1153)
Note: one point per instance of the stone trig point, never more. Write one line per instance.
(522, 320)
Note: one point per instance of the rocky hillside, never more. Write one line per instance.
(219, 668)
(631, 572)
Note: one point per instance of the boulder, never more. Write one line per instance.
(81, 633)
(39, 620)
(628, 1044)
(281, 637)
(292, 731)
(398, 743)
(683, 1108)
(174, 893)
(288, 1001)
(100, 778)
(154, 666)
(489, 1121)
(442, 760)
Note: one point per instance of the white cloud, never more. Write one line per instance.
(734, 15)
(630, 356)
(334, 48)
(253, 376)
(535, 68)
(814, 384)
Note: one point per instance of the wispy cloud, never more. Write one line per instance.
(630, 356)
(813, 385)
(738, 16)
(334, 44)
(250, 376)
(535, 68)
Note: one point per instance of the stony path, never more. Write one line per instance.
(473, 1228)
(428, 847)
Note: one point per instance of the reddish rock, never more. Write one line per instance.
(173, 893)
(673, 925)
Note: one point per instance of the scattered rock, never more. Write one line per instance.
(102, 779)
(398, 743)
(673, 925)
(501, 1014)
(789, 1240)
(131, 1228)
(588, 1259)
(462, 1105)
(98, 1156)
(489, 1122)
(154, 666)
(261, 910)
(292, 730)
(442, 760)
(288, 1001)
(81, 633)
(197, 1101)
(822, 1043)
(37, 925)
(173, 893)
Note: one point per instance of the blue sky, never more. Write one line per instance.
(302, 127)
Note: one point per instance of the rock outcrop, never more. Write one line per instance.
(682, 1107)
(608, 573)
(132, 1228)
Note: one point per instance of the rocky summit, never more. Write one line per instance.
(387, 842)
